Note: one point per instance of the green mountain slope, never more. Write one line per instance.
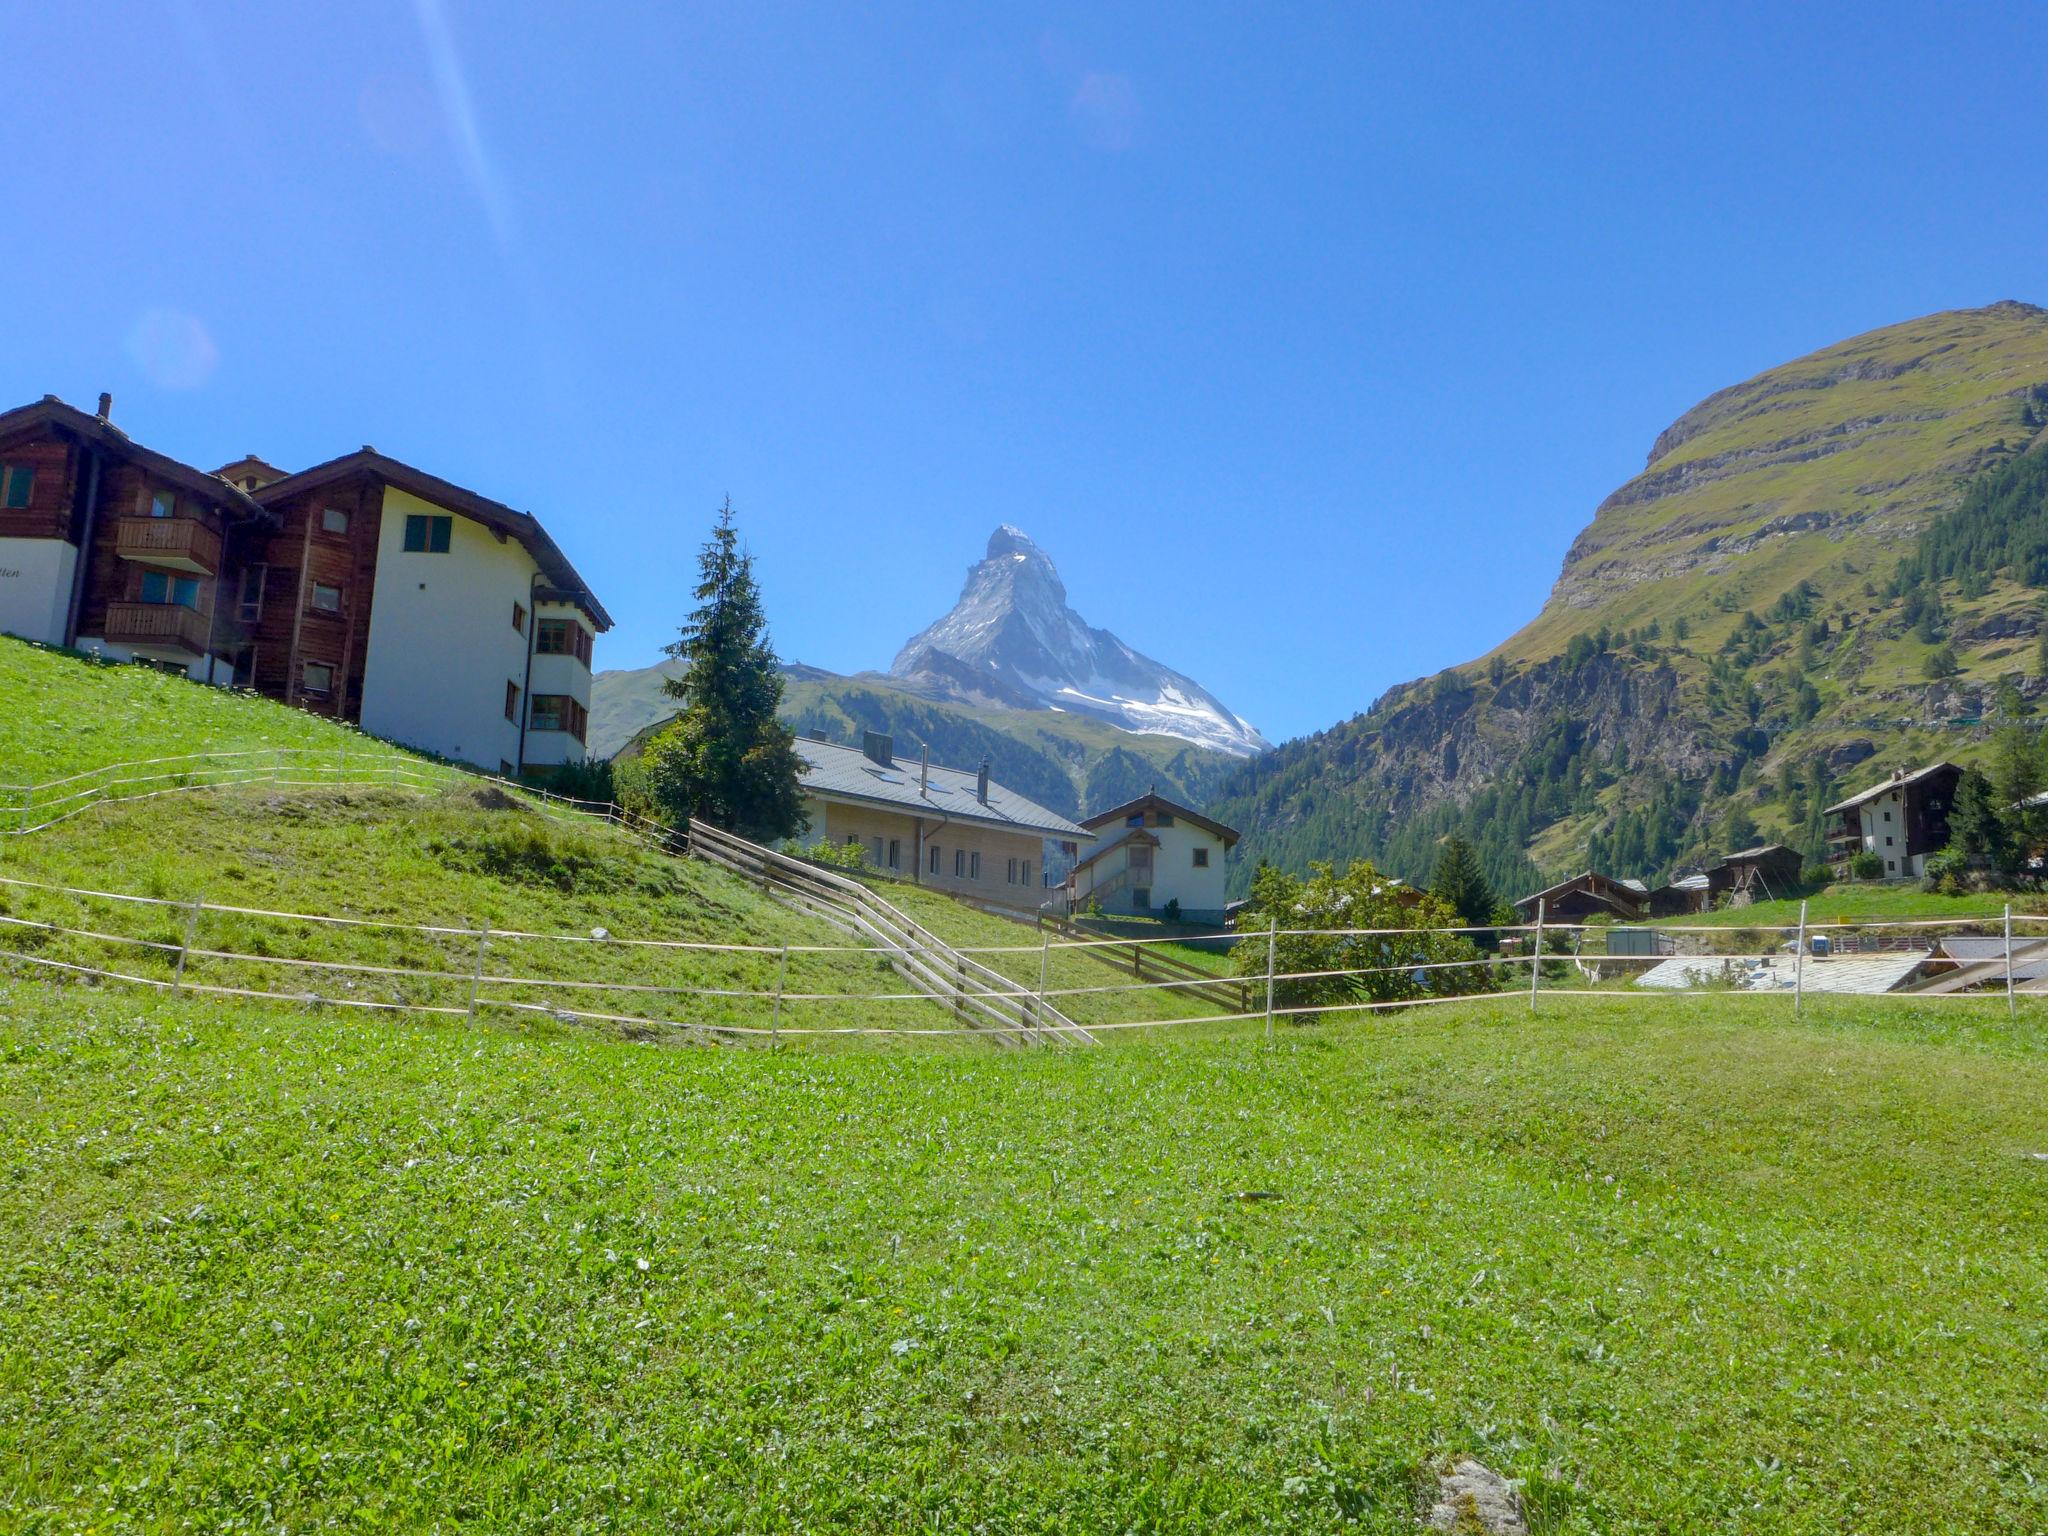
(1067, 762)
(1730, 639)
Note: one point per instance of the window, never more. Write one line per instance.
(163, 587)
(1135, 821)
(1887, 815)
(1201, 858)
(1010, 873)
(249, 600)
(333, 520)
(163, 504)
(16, 482)
(959, 863)
(511, 700)
(1161, 819)
(562, 637)
(426, 535)
(245, 667)
(518, 619)
(317, 677)
(326, 599)
(974, 866)
(895, 853)
(875, 852)
(1141, 896)
(1026, 866)
(557, 712)
(933, 861)
(1887, 842)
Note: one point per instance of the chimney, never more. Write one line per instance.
(981, 783)
(924, 769)
(106, 406)
(878, 748)
(818, 735)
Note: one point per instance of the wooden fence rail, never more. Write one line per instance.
(976, 994)
(1147, 963)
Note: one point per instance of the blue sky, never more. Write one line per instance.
(1302, 338)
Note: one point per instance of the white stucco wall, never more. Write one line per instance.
(559, 674)
(1876, 829)
(442, 646)
(35, 587)
(1174, 875)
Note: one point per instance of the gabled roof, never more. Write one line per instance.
(495, 515)
(100, 433)
(847, 773)
(1749, 855)
(1600, 887)
(1152, 800)
(1133, 836)
(250, 467)
(1899, 780)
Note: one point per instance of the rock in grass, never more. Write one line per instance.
(1475, 1500)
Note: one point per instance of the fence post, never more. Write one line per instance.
(1799, 967)
(1272, 943)
(2012, 1008)
(775, 1019)
(476, 976)
(1536, 956)
(192, 931)
(1044, 964)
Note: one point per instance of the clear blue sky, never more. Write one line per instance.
(1304, 339)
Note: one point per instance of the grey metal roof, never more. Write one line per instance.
(834, 772)
(1897, 781)
(1867, 975)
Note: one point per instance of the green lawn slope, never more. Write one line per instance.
(1680, 1267)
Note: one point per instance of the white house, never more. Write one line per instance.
(1901, 819)
(1151, 852)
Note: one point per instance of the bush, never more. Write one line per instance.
(1171, 911)
(823, 851)
(1867, 865)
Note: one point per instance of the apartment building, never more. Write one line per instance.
(361, 588)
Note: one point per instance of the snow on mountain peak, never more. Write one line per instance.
(1012, 624)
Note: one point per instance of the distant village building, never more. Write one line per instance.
(955, 830)
(1755, 874)
(1152, 851)
(1590, 895)
(1902, 819)
(362, 589)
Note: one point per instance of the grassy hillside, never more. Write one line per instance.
(1068, 763)
(1697, 1271)
(1768, 615)
(466, 858)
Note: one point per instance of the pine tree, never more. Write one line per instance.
(1460, 883)
(727, 759)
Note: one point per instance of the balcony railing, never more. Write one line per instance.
(170, 627)
(176, 543)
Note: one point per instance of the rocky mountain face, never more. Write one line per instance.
(1012, 639)
(1065, 713)
(1730, 640)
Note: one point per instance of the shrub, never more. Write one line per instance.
(823, 851)
(1867, 865)
(1171, 911)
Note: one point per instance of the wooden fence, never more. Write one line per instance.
(1146, 962)
(978, 995)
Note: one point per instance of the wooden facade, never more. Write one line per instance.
(266, 580)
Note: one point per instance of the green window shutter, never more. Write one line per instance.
(439, 542)
(415, 533)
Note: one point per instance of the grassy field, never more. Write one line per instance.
(1682, 1268)
(66, 715)
(1868, 902)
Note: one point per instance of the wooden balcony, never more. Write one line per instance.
(175, 543)
(158, 629)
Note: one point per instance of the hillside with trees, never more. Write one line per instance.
(1825, 572)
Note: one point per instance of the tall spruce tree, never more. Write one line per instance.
(1460, 883)
(726, 758)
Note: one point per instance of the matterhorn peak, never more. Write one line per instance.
(1013, 627)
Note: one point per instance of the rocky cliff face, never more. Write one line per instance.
(1013, 639)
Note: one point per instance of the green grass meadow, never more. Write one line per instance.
(1681, 1267)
